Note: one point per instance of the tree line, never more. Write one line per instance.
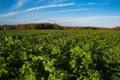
(31, 26)
(42, 26)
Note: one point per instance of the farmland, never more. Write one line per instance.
(59, 55)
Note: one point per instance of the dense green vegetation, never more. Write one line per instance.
(59, 55)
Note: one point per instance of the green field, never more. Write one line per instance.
(59, 55)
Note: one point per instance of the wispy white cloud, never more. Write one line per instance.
(92, 3)
(10, 14)
(49, 6)
(72, 10)
(19, 4)
(51, 1)
(37, 8)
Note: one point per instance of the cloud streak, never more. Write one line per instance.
(72, 10)
(49, 6)
(92, 3)
(52, 1)
(9, 14)
(19, 4)
(37, 8)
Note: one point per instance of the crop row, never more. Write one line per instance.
(59, 55)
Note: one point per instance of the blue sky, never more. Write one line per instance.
(97, 13)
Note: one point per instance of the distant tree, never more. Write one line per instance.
(1, 27)
(5, 27)
(116, 28)
(12, 27)
(56, 26)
